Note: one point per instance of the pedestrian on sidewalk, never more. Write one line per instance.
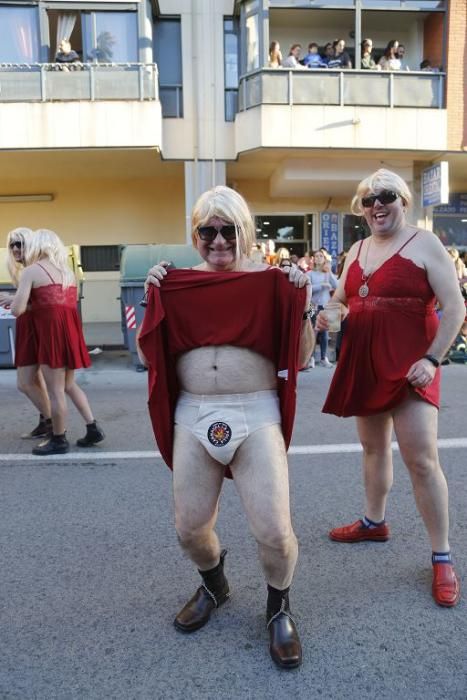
(322, 283)
(388, 373)
(48, 287)
(223, 342)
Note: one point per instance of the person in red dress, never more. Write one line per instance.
(388, 372)
(30, 381)
(48, 287)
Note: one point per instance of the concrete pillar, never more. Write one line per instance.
(199, 177)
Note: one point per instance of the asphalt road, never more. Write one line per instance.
(91, 574)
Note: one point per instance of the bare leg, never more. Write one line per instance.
(197, 482)
(30, 382)
(416, 428)
(375, 435)
(261, 476)
(78, 397)
(55, 382)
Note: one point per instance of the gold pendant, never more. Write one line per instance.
(363, 291)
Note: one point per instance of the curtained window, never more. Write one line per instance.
(19, 35)
(110, 37)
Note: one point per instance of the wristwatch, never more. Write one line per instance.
(308, 313)
(432, 359)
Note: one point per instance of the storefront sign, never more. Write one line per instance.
(457, 205)
(435, 185)
(329, 233)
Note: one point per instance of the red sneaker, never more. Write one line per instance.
(357, 532)
(446, 587)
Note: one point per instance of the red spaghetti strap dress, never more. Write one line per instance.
(25, 341)
(386, 332)
(60, 341)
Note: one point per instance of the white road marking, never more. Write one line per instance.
(446, 443)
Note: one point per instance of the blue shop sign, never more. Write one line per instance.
(329, 232)
(435, 185)
(457, 205)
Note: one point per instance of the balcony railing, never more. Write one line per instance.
(44, 82)
(364, 88)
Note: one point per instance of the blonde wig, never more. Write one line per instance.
(229, 206)
(22, 235)
(47, 245)
(380, 180)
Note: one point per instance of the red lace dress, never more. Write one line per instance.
(386, 332)
(25, 341)
(60, 341)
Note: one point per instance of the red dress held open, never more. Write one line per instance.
(386, 332)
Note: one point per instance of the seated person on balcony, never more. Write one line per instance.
(328, 54)
(313, 59)
(401, 57)
(66, 55)
(426, 66)
(389, 60)
(341, 58)
(275, 55)
(368, 62)
(292, 60)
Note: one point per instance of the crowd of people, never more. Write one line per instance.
(222, 393)
(335, 56)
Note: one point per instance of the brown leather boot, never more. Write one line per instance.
(212, 593)
(284, 643)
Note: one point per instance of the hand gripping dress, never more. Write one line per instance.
(60, 341)
(386, 332)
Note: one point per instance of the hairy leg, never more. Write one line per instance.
(261, 476)
(55, 382)
(416, 428)
(375, 435)
(197, 482)
(30, 382)
(78, 397)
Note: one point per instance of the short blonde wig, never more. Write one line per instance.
(22, 235)
(380, 180)
(229, 206)
(46, 244)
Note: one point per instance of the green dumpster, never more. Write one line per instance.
(135, 262)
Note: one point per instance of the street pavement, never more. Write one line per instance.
(91, 573)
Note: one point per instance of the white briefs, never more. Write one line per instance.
(221, 422)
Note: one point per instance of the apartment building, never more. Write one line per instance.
(170, 97)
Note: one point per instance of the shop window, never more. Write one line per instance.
(100, 258)
(354, 229)
(167, 50)
(19, 34)
(289, 231)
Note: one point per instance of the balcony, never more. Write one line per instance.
(90, 105)
(341, 109)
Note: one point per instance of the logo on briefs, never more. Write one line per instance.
(219, 434)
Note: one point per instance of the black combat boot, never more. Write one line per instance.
(284, 643)
(42, 429)
(212, 593)
(55, 445)
(94, 434)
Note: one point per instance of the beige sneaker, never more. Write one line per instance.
(326, 363)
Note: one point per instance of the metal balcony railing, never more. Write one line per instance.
(349, 88)
(45, 82)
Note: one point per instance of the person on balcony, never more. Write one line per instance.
(293, 59)
(401, 57)
(328, 54)
(275, 55)
(390, 60)
(341, 58)
(388, 372)
(313, 59)
(66, 56)
(215, 338)
(368, 62)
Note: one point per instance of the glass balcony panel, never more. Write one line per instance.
(366, 89)
(316, 88)
(67, 85)
(253, 91)
(421, 92)
(116, 84)
(19, 86)
(276, 88)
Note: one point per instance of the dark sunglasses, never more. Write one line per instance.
(15, 244)
(209, 233)
(385, 197)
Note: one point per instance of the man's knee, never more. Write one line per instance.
(190, 533)
(422, 465)
(279, 537)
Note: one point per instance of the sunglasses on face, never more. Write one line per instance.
(385, 197)
(209, 233)
(15, 244)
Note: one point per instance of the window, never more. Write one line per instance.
(168, 56)
(290, 231)
(354, 229)
(19, 34)
(110, 37)
(252, 43)
(99, 258)
(231, 68)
